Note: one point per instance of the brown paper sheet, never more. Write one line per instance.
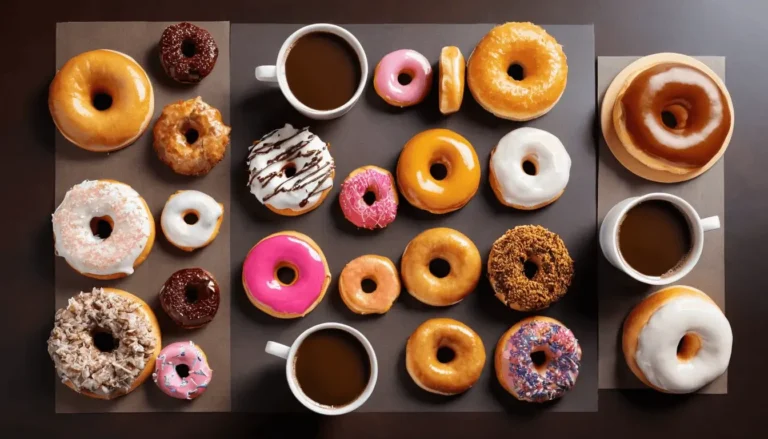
(138, 166)
(617, 292)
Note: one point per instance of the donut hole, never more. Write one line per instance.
(191, 218)
(368, 285)
(101, 100)
(445, 354)
(188, 48)
(369, 197)
(539, 359)
(101, 226)
(404, 78)
(674, 116)
(182, 370)
(529, 167)
(195, 292)
(191, 135)
(530, 268)
(289, 170)
(285, 274)
(438, 171)
(688, 346)
(439, 267)
(104, 340)
(516, 71)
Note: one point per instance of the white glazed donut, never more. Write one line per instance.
(200, 206)
(512, 185)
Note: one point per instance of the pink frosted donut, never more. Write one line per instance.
(369, 213)
(306, 275)
(408, 62)
(182, 370)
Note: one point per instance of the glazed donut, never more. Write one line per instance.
(534, 381)
(101, 100)
(517, 71)
(381, 273)
(291, 171)
(382, 209)
(527, 248)
(104, 343)
(420, 162)
(191, 219)
(529, 168)
(403, 62)
(452, 69)
(190, 297)
(421, 271)
(444, 378)
(296, 252)
(87, 211)
(677, 340)
(672, 117)
(187, 52)
(190, 137)
(182, 371)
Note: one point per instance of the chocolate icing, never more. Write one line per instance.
(181, 40)
(190, 297)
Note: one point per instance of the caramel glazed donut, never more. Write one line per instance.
(377, 271)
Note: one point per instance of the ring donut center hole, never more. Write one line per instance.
(530, 268)
(285, 274)
(445, 354)
(289, 170)
(188, 48)
(104, 340)
(539, 360)
(195, 292)
(439, 267)
(404, 78)
(101, 100)
(368, 285)
(101, 226)
(191, 218)
(190, 133)
(516, 71)
(182, 370)
(438, 171)
(369, 197)
(688, 347)
(529, 166)
(674, 116)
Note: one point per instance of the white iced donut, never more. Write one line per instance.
(191, 219)
(677, 340)
(529, 168)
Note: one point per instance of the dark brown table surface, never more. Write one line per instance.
(733, 28)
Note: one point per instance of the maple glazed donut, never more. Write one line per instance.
(182, 371)
(452, 71)
(369, 284)
(101, 100)
(407, 62)
(190, 297)
(188, 53)
(368, 197)
(517, 71)
(191, 219)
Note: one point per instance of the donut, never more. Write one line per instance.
(101, 100)
(190, 297)
(188, 53)
(529, 268)
(537, 359)
(388, 76)
(291, 170)
(677, 340)
(380, 209)
(438, 171)
(529, 169)
(190, 137)
(104, 343)
(451, 377)
(452, 69)
(302, 257)
(672, 117)
(440, 266)
(191, 219)
(103, 229)
(517, 71)
(182, 370)
(377, 271)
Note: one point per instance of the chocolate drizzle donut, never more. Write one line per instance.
(190, 297)
(187, 52)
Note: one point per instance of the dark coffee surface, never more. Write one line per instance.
(323, 70)
(332, 367)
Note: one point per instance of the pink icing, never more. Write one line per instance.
(403, 61)
(167, 376)
(382, 212)
(259, 274)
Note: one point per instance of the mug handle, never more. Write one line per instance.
(266, 73)
(711, 223)
(277, 349)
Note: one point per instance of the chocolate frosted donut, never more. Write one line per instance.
(190, 297)
(187, 52)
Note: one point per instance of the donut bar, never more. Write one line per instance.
(101, 100)
(452, 71)
(677, 340)
(190, 297)
(188, 53)
(405, 62)
(380, 273)
(379, 184)
(182, 371)
(191, 219)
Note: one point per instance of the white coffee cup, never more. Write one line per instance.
(289, 354)
(609, 236)
(276, 73)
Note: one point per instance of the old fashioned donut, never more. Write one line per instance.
(677, 340)
(452, 70)
(190, 297)
(440, 266)
(537, 359)
(368, 197)
(188, 53)
(403, 62)
(104, 343)
(529, 268)
(517, 71)
(182, 370)
(103, 229)
(438, 171)
(452, 375)
(101, 100)
(191, 219)
(190, 137)
(369, 284)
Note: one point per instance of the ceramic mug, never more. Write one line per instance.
(289, 354)
(276, 73)
(609, 236)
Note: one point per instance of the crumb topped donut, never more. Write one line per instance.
(188, 53)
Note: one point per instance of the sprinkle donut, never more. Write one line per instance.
(403, 62)
(356, 187)
(190, 297)
(188, 53)
(191, 219)
(182, 371)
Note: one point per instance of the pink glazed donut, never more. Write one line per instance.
(369, 213)
(408, 62)
(182, 370)
(286, 275)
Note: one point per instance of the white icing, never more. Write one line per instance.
(553, 165)
(195, 235)
(88, 253)
(656, 353)
(313, 164)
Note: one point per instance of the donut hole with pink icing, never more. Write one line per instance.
(368, 198)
